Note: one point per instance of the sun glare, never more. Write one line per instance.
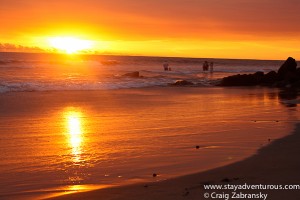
(70, 44)
(75, 133)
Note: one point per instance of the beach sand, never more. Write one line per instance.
(274, 164)
(64, 141)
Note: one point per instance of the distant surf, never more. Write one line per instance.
(21, 72)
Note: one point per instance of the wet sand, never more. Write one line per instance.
(64, 141)
(274, 164)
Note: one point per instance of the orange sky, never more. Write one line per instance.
(264, 29)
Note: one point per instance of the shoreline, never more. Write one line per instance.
(38, 106)
(273, 164)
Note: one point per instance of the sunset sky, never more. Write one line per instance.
(262, 29)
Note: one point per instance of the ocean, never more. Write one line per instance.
(52, 72)
(73, 123)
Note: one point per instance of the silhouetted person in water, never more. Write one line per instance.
(211, 67)
(205, 66)
(166, 66)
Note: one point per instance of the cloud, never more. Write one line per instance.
(7, 47)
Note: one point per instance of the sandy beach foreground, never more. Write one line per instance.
(275, 164)
(69, 141)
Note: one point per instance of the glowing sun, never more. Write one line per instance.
(70, 44)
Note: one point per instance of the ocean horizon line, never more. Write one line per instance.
(142, 56)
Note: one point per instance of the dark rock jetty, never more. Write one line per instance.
(288, 75)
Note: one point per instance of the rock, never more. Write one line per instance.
(288, 94)
(258, 76)
(187, 192)
(281, 84)
(296, 84)
(135, 74)
(298, 73)
(288, 76)
(182, 83)
(242, 80)
(270, 78)
(289, 65)
(225, 180)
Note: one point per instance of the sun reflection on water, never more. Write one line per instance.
(74, 124)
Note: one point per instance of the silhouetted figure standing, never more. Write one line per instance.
(166, 66)
(205, 66)
(211, 67)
